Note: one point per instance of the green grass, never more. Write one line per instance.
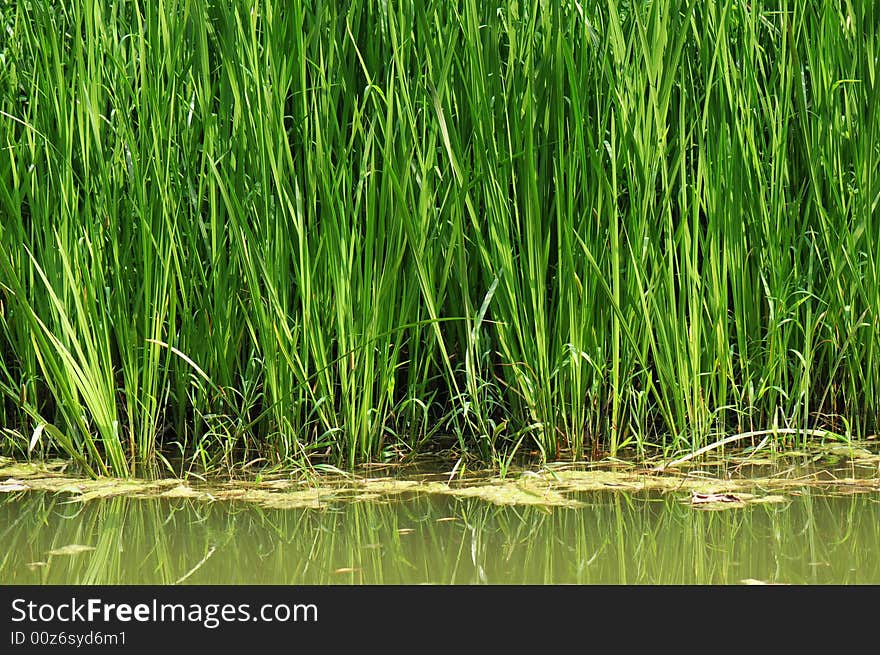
(267, 233)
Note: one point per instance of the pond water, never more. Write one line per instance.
(813, 536)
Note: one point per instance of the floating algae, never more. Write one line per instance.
(548, 487)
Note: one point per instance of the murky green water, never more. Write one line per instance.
(615, 538)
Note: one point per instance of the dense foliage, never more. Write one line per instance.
(257, 230)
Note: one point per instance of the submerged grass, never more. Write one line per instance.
(265, 233)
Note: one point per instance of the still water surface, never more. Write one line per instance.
(615, 538)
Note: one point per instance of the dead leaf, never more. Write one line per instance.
(35, 437)
(697, 498)
(70, 549)
(753, 581)
(11, 485)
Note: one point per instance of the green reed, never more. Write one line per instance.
(262, 232)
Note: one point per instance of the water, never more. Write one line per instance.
(615, 538)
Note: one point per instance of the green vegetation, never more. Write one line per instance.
(263, 233)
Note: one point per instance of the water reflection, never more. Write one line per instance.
(615, 539)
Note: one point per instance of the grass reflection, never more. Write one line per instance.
(813, 538)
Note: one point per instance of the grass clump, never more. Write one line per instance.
(261, 232)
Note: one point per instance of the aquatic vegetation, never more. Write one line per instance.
(557, 487)
(258, 235)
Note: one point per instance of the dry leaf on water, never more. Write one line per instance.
(697, 498)
(70, 549)
(11, 485)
